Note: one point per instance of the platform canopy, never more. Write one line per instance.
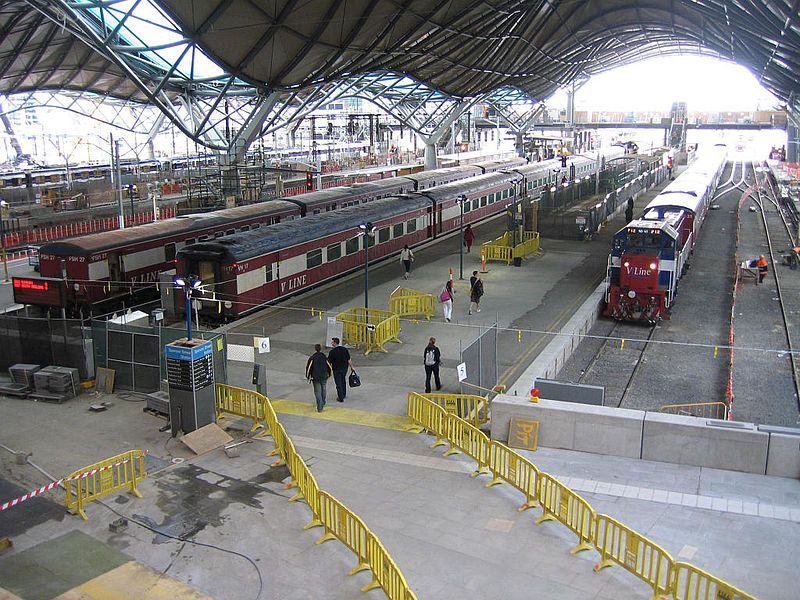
(274, 50)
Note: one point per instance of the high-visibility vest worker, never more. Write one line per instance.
(763, 268)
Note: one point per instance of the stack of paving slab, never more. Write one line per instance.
(56, 384)
(22, 380)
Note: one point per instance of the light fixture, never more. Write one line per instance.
(180, 282)
(653, 265)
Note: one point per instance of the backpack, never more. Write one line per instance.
(430, 358)
(444, 296)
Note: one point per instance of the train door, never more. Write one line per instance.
(429, 218)
(115, 272)
(438, 224)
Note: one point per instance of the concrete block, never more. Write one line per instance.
(598, 429)
(704, 443)
(783, 459)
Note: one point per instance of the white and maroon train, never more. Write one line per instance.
(649, 255)
(242, 272)
(97, 272)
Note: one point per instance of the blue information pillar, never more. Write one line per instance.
(190, 374)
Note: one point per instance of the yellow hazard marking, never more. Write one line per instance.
(622, 344)
(519, 336)
(343, 415)
(134, 581)
(716, 351)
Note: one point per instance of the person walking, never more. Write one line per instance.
(406, 257)
(431, 358)
(339, 358)
(446, 297)
(469, 237)
(318, 369)
(629, 211)
(763, 268)
(475, 292)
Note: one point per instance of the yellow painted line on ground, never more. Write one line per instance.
(134, 581)
(343, 415)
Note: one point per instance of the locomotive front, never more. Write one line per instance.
(639, 283)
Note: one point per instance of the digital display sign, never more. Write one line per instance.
(39, 291)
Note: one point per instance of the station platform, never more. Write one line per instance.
(450, 537)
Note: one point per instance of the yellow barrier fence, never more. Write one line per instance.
(428, 417)
(369, 328)
(470, 440)
(471, 408)
(565, 506)
(343, 524)
(692, 583)
(502, 248)
(706, 410)
(621, 545)
(529, 246)
(241, 403)
(406, 302)
(507, 466)
(279, 437)
(385, 574)
(100, 479)
(304, 481)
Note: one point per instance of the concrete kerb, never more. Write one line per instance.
(563, 344)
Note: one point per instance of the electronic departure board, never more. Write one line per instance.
(38, 290)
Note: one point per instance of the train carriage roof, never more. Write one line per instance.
(472, 187)
(249, 244)
(678, 200)
(92, 243)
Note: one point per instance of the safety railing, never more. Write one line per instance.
(405, 302)
(616, 543)
(706, 410)
(242, 403)
(692, 583)
(470, 440)
(619, 544)
(509, 467)
(529, 246)
(565, 506)
(369, 328)
(471, 408)
(502, 248)
(337, 520)
(100, 479)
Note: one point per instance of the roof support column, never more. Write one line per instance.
(793, 137)
(252, 127)
(436, 135)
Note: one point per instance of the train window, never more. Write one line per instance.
(476, 203)
(255, 226)
(202, 238)
(484, 200)
(190, 241)
(314, 258)
(169, 252)
(383, 235)
(229, 232)
(218, 234)
(334, 251)
(411, 226)
(268, 273)
(245, 228)
(467, 206)
(351, 246)
(397, 230)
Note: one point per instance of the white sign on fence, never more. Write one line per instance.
(262, 343)
(462, 371)
(241, 353)
(335, 329)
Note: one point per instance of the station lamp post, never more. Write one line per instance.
(367, 231)
(461, 200)
(188, 284)
(3, 210)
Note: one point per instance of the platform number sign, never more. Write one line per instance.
(261, 344)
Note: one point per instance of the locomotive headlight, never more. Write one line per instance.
(653, 266)
(631, 294)
(626, 264)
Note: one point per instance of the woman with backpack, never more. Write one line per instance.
(431, 358)
(446, 297)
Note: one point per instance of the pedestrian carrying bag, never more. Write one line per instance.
(354, 380)
(444, 296)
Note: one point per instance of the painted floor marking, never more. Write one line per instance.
(343, 415)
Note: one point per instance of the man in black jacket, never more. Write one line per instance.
(339, 357)
(318, 369)
(431, 358)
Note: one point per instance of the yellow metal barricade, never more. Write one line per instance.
(692, 583)
(242, 403)
(279, 437)
(343, 524)
(619, 544)
(406, 302)
(428, 416)
(369, 328)
(102, 478)
(507, 466)
(470, 440)
(471, 408)
(565, 506)
(385, 574)
(530, 245)
(706, 410)
(502, 248)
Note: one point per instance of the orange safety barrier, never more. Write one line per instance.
(621, 545)
(343, 524)
(508, 466)
(241, 403)
(385, 574)
(111, 475)
(470, 440)
(560, 503)
(692, 583)
(428, 417)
